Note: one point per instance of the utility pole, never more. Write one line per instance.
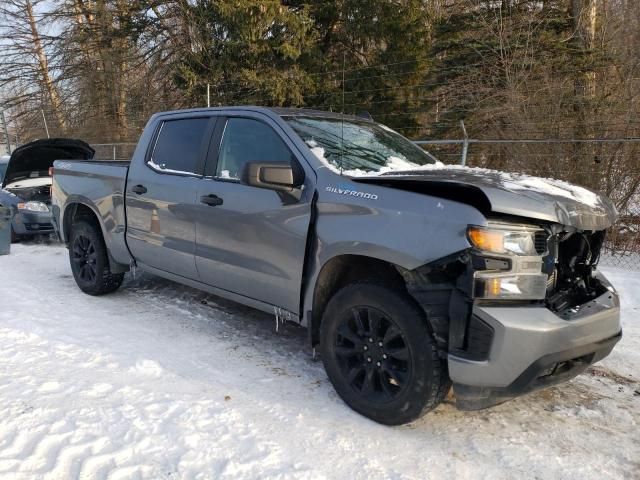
(15, 130)
(6, 131)
(208, 95)
(46, 128)
(465, 144)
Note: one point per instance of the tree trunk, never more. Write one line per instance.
(584, 17)
(121, 44)
(43, 65)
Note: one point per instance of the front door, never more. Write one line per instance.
(251, 241)
(161, 196)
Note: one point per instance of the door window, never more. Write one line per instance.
(246, 140)
(178, 147)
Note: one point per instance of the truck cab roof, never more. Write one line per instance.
(280, 111)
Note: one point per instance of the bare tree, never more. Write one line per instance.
(26, 67)
(43, 64)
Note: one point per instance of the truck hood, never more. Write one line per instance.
(507, 193)
(33, 160)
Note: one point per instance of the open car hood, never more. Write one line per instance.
(513, 194)
(38, 156)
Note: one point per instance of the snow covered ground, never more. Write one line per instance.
(161, 381)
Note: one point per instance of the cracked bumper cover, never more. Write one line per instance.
(533, 348)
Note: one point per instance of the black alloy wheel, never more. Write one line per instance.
(89, 259)
(380, 355)
(83, 254)
(373, 354)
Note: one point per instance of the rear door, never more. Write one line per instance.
(251, 241)
(161, 195)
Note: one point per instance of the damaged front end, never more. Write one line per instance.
(522, 309)
(571, 265)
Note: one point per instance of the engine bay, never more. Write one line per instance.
(36, 186)
(570, 263)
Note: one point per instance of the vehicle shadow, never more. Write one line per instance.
(287, 352)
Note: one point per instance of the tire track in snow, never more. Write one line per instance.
(154, 415)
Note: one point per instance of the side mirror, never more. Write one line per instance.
(273, 176)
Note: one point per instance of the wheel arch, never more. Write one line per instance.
(431, 286)
(72, 212)
(79, 208)
(342, 270)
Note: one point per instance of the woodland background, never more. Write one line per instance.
(551, 70)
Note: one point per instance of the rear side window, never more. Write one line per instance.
(178, 147)
(247, 140)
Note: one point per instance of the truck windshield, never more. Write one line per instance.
(358, 147)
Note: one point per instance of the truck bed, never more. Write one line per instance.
(100, 162)
(101, 185)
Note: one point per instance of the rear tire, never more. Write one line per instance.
(380, 355)
(89, 261)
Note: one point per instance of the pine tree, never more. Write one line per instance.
(382, 47)
(247, 52)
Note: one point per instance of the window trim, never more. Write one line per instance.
(204, 145)
(214, 150)
(221, 127)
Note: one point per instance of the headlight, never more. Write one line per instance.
(504, 238)
(518, 287)
(522, 248)
(33, 207)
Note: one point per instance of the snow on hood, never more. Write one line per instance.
(518, 181)
(508, 193)
(521, 195)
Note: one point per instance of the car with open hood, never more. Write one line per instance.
(411, 276)
(26, 183)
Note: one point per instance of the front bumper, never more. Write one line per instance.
(32, 223)
(533, 347)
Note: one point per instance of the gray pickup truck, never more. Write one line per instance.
(410, 275)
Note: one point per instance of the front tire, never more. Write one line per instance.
(89, 261)
(379, 354)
